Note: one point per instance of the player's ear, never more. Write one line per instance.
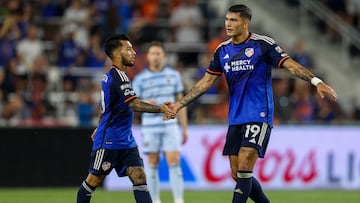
(116, 53)
(246, 23)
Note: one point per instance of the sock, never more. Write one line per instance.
(257, 194)
(84, 192)
(243, 187)
(141, 194)
(176, 182)
(153, 182)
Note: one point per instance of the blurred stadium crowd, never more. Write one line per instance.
(51, 59)
(346, 10)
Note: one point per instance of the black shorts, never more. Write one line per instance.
(102, 161)
(254, 135)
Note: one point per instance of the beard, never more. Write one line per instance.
(127, 62)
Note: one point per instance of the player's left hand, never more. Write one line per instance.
(325, 90)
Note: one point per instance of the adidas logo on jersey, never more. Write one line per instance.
(226, 56)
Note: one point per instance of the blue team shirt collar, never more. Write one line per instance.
(115, 66)
(243, 42)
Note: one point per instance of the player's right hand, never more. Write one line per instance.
(325, 90)
(174, 107)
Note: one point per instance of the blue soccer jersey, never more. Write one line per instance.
(157, 87)
(247, 68)
(114, 130)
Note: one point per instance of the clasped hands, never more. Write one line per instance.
(170, 109)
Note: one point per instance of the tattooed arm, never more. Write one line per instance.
(299, 71)
(199, 88)
(138, 105)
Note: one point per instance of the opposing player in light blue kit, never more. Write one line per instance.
(246, 60)
(114, 146)
(156, 85)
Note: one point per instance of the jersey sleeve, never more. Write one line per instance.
(215, 66)
(274, 54)
(124, 89)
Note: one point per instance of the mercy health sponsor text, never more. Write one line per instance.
(239, 65)
(298, 157)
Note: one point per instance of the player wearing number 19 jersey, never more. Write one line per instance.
(246, 60)
(247, 68)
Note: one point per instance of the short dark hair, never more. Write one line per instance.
(113, 42)
(243, 10)
(155, 44)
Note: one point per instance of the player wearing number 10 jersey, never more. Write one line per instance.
(246, 60)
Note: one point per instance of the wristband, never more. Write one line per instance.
(315, 81)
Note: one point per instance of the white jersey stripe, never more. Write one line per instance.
(261, 37)
(98, 158)
(224, 43)
(101, 158)
(87, 187)
(262, 133)
(264, 39)
(269, 40)
(123, 76)
(126, 79)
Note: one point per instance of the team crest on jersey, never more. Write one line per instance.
(105, 165)
(249, 52)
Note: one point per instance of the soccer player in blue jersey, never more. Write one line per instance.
(114, 146)
(158, 84)
(246, 60)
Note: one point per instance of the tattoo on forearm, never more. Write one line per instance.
(194, 93)
(138, 105)
(303, 73)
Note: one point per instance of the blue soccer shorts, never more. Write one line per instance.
(102, 161)
(161, 138)
(254, 135)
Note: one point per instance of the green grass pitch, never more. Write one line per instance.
(68, 195)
